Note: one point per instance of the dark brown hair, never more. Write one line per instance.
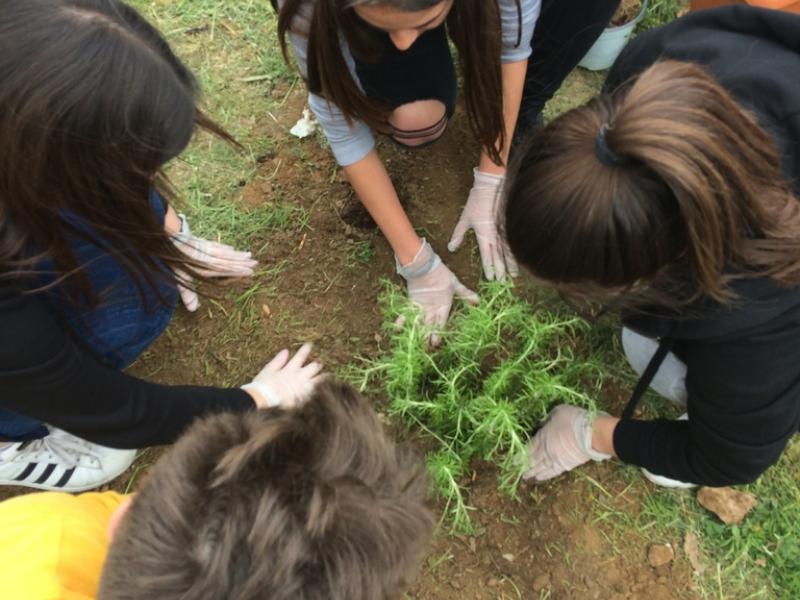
(92, 104)
(473, 26)
(310, 504)
(696, 197)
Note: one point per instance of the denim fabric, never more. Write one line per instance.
(117, 331)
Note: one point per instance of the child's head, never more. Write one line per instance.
(93, 102)
(316, 503)
(664, 185)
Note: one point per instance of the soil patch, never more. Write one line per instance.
(626, 12)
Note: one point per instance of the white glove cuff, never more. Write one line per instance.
(424, 262)
(265, 392)
(585, 433)
(487, 179)
(184, 231)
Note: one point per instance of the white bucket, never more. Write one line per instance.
(610, 43)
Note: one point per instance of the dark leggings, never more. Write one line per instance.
(565, 31)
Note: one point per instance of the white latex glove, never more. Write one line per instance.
(565, 442)
(221, 260)
(480, 214)
(432, 286)
(283, 382)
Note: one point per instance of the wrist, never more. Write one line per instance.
(261, 395)
(407, 253)
(425, 261)
(603, 434)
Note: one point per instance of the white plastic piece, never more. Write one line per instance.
(305, 126)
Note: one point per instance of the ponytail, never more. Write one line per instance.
(665, 184)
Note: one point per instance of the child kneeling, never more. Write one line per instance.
(312, 503)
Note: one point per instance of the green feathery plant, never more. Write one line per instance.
(500, 369)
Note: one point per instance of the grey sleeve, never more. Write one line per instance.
(518, 33)
(349, 142)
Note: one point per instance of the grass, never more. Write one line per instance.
(231, 47)
(501, 368)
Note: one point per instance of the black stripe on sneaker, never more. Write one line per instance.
(46, 473)
(65, 477)
(28, 470)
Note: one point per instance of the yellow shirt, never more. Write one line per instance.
(52, 545)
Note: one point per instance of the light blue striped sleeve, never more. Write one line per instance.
(349, 142)
(517, 35)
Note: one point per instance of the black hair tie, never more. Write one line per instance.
(605, 154)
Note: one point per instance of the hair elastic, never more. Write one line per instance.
(605, 154)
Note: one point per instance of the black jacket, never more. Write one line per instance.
(44, 374)
(743, 360)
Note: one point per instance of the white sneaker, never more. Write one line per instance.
(666, 481)
(61, 462)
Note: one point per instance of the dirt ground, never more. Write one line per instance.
(546, 544)
(320, 283)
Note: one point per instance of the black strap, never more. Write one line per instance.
(644, 381)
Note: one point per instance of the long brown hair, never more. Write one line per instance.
(92, 104)
(473, 26)
(692, 198)
(316, 503)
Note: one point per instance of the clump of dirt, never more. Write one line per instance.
(627, 11)
(730, 505)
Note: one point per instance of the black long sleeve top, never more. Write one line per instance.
(46, 375)
(743, 360)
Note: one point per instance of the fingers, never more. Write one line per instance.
(312, 369)
(458, 234)
(300, 357)
(278, 362)
(511, 262)
(534, 458)
(462, 292)
(499, 262)
(188, 296)
(487, 260)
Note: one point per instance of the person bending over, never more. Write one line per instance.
(93, 103)
(385, 66)
(673, 197)
(312, 503)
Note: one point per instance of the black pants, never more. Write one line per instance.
(565, 31)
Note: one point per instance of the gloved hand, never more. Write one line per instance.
(480, 214)
(432, 286)
(283, 382)
(565, 442)
(221, 261)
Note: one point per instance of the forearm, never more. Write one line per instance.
(513, 84)
(374, 188)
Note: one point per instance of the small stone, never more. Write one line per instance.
(730, 505)
(492, 583)
(660, 554)
(691, 547)
(541, 582)
(761, 562)
(508, 557)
